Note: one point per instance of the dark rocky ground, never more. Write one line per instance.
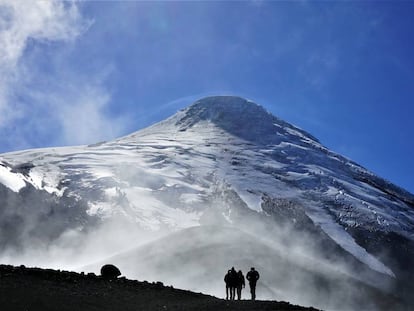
(30, 289)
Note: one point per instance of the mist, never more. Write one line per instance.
(297, 261)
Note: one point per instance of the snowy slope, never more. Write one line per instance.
(169, 176)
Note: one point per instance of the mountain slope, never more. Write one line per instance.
(222, 161)
(46, 290)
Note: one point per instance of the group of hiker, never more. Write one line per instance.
(235, 283)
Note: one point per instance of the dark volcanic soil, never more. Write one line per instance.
(30, 289)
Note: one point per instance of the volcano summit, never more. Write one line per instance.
(220, 183)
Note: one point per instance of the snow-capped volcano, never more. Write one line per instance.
(223, 161)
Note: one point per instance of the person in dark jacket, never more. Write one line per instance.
(233, 283)
(252, 276)
(227, 281)
(240, 284)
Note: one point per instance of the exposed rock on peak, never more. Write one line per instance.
(242, 118)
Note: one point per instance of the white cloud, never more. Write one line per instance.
(20, 22)
(66, 107)
(38, 20)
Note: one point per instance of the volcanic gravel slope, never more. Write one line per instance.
(34, 289)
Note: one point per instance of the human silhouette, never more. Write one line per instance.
(240, 284)
(227, 281)
(233, 283)
(252, 276)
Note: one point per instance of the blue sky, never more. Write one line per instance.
(81, 72)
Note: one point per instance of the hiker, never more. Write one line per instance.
(240, 284)
(233, 283)
(252, 276)
(227, 281)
